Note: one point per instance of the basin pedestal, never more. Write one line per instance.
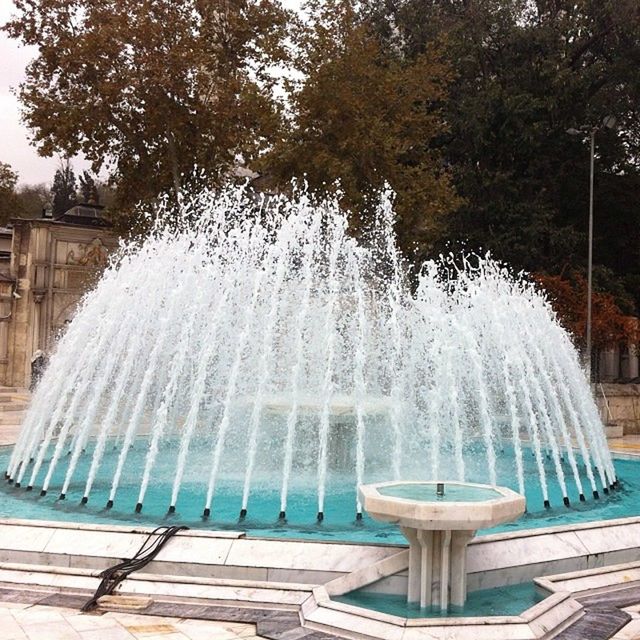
(437, 567)
(439, 519)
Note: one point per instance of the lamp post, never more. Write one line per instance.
(609, 122)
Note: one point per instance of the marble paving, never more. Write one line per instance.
(22, 621)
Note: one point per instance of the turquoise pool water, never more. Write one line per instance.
(264, 503)
(428, 493)
(502, 601)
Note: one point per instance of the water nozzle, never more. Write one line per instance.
(62, 496)
(84, 500)
(17, 485)
(596, 495)
(29, 488)
(566, 501)
(606, 490)
(43, 493)
(320, 516)
(547, 504)
(243, 514)
(139, 507)
(582, 498)
(282, 516)
(206, 513)
(359, 516)
(172, 509)
(440, 489)
(109, 504)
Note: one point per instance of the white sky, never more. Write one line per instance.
(15, 147)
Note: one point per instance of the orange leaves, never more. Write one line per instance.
(569, 301)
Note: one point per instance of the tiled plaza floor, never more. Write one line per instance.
(36, 622)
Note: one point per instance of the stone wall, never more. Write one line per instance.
(620, 404)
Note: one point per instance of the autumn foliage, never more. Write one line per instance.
(568, 298)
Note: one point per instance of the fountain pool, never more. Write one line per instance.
(339, 523)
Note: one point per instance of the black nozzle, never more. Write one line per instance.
(139, 507)
(547, 504)
(320, 516)
(282, 516)
(243, 514)
(606, 490)
(359, 515)
(62, 496)
(206, 513)
(582, 498)
(566, 501)
(172, 508)
(596, 495)
(84, 500)
(43, 493)
(29, 488)
(109, 504)
(10, 480)
(17, 485)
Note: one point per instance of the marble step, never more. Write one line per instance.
(286, 596)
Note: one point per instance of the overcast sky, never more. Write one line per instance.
(15, 147)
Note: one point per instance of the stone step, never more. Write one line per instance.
(13, 407)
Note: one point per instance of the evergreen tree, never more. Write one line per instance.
(63, 190)
(88, 188)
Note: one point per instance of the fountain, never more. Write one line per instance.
(246, 345)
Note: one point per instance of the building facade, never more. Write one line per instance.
(53, 262)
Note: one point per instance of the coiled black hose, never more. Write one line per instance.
(113, 576)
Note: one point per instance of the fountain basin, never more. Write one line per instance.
(439, 524)
(464, 505)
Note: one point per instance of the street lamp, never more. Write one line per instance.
(609, 122)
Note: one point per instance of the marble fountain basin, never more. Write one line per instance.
(462, 506)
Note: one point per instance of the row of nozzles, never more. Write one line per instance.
(206, 514)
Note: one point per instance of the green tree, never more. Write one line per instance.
(525, 72)
(366, 116)
(152, 88)
(63, 191)
(8, 201)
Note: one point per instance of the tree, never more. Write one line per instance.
(525, 72)
(32, 199)
(63, 190)
(152, 88)
(88, 188)
(8, 202)
(364, 115)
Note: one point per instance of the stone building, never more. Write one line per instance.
(52, 264)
